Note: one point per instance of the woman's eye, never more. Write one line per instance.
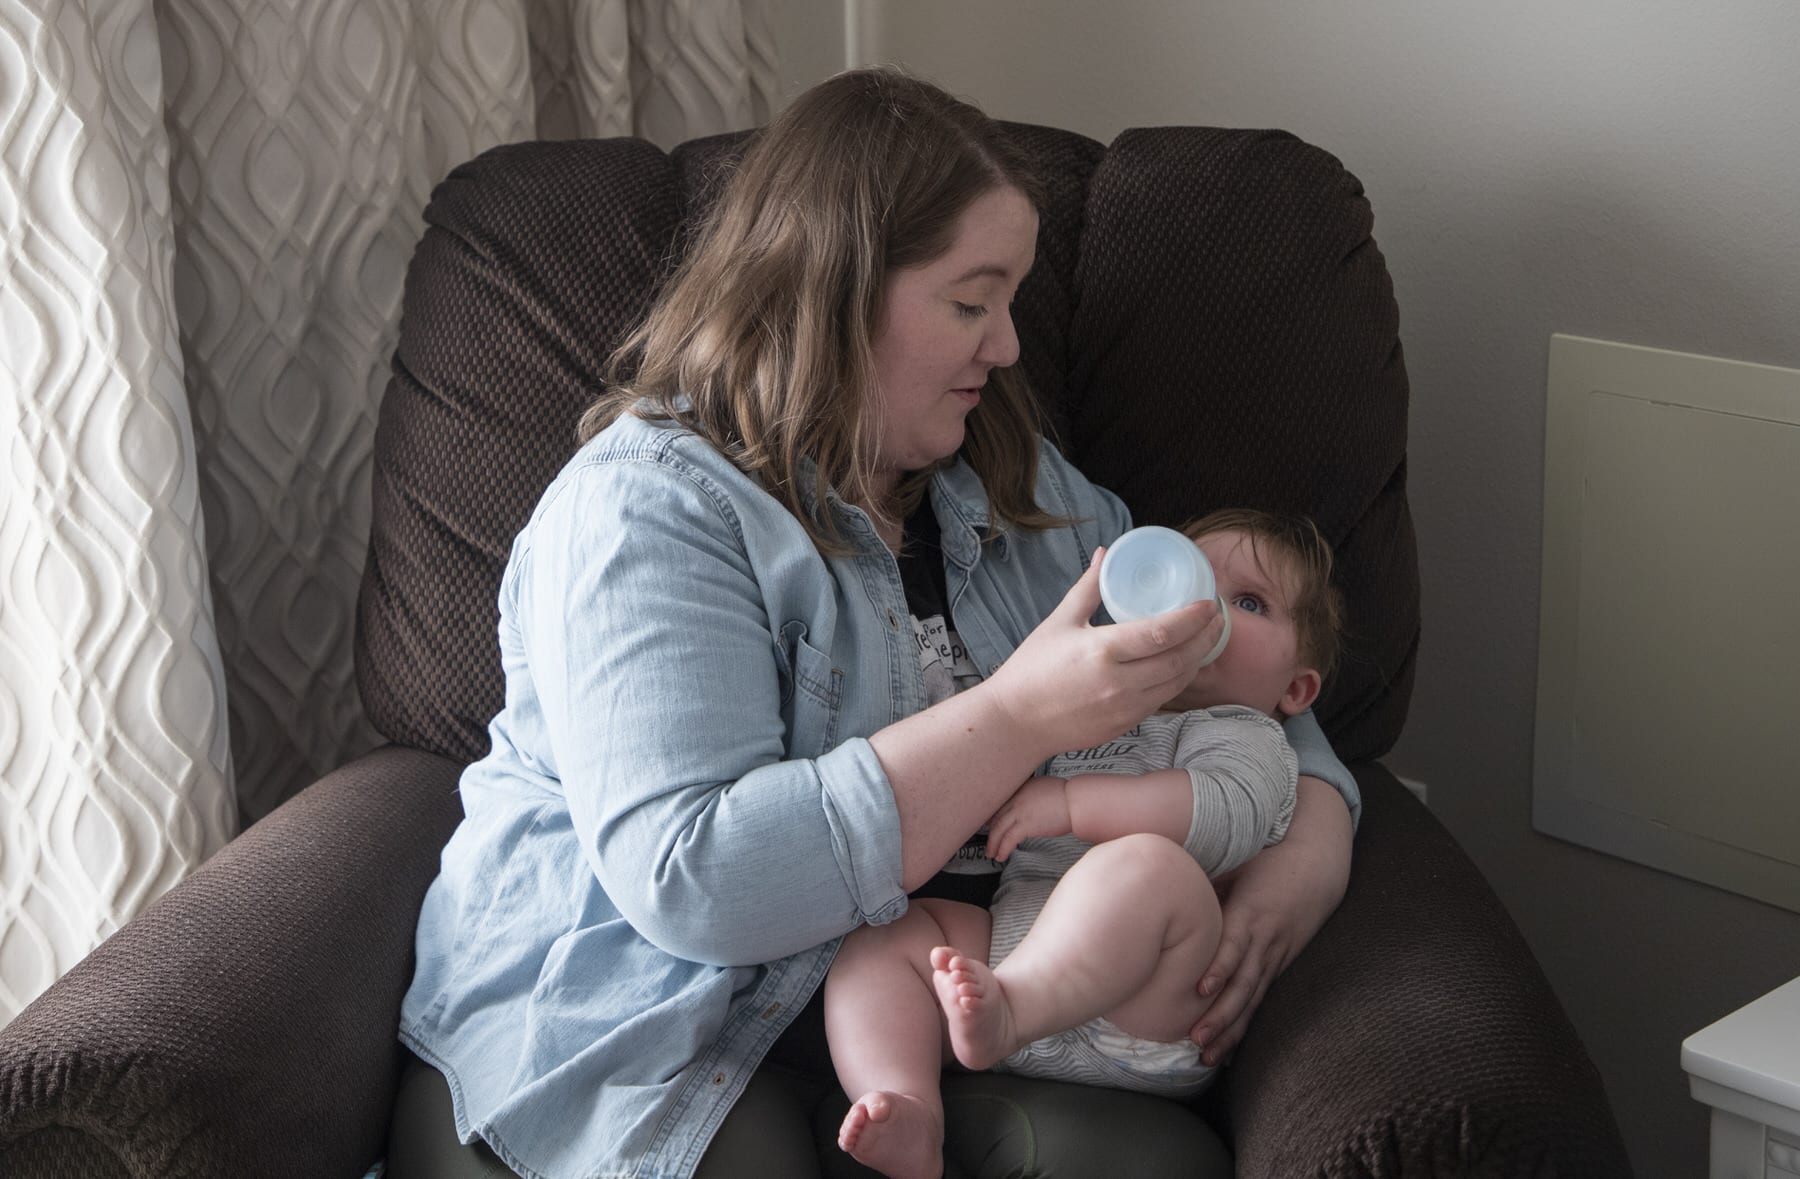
(970, 310)
(1249, 603)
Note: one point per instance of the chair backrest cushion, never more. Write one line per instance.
(1209, 323)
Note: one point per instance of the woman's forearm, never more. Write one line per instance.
(1319, 761)
(1322, 823)
(950, 767)
(1069, 685)
(1273, 905)
(1311, 865)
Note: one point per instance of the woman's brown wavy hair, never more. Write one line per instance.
(766, 327)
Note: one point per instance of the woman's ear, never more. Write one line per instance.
(1301, 691)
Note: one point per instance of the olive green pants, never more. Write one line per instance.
(996, 1127)
(785, 1124)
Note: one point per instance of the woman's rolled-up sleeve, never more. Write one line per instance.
(645, 632)
(1317, 760)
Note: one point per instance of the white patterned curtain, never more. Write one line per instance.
(206, 210)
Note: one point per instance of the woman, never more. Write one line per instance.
(721, 749)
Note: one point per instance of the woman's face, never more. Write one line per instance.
(944, 325)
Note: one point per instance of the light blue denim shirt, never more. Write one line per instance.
(681, 813)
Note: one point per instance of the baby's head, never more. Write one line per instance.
(1274, 572)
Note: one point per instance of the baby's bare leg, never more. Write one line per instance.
(886, 1035)
(1125, 934)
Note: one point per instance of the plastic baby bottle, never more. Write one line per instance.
(1152, 570)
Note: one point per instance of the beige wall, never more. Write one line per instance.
(1619, 169)
(809, 35)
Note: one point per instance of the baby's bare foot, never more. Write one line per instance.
(979, 1018)
(896, 1134)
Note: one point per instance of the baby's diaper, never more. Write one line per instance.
(1173, 1057)
(1099, 1053)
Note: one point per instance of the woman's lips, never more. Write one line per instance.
(972, 396)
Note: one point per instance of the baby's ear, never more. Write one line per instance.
(1301, 691)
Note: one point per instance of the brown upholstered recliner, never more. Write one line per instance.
(1209, 323)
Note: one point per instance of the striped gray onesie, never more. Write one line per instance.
(1244, 774)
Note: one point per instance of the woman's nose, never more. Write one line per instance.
(1000, 345)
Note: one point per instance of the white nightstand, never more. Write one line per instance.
(1747, 1067)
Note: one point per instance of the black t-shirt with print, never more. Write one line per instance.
(947, 669)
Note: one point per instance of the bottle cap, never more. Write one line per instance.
(1152, 570)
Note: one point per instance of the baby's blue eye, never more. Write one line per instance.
(1249, 604)
(970, 311)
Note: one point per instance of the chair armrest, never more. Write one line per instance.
(245, 1023)
(1416, 1035)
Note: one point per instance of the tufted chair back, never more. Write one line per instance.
(1209, 323)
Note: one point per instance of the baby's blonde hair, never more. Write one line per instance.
(1317, 606)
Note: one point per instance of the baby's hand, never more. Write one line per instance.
(1038, 809)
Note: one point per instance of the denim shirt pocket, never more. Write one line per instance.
(811, 692)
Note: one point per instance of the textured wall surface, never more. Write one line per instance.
(305, 142)
(206, 211)
(1609, 169)
(114, 775)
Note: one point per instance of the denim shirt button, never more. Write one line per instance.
(718, 1078)
(893, 620)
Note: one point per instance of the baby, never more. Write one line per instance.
(1085, 967)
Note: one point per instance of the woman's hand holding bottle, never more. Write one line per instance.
(1072, 685)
